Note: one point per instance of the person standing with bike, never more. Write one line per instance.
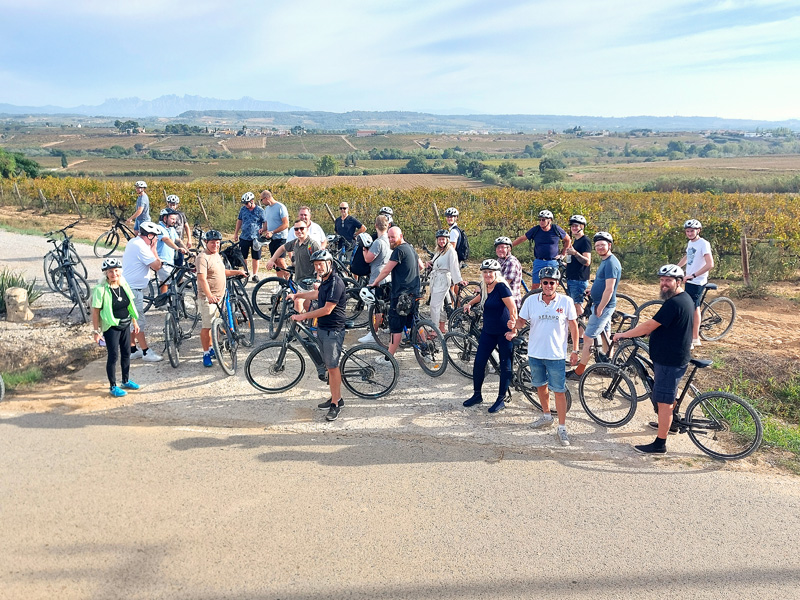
(346, 225)
(139, 258)
(275, 227)
(698, 261)
(302, 247)
(579, 259)
(330, 315)
(499, 328)
(211, 274)
(181, 226)
(114, 316)
(376, 253)
(249, 223)
(545, 237)
(510, 267)
(445, 273)
(142, 213)
(168, 244)
(670, 332)
(551, 316)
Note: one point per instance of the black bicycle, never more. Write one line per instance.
(60, 272)
(278, 366)
(182, 315)
(108, 241)
(233, 326)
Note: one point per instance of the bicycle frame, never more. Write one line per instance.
(310, 344)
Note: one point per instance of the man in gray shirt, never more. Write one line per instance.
(377, 255)
(302, 247)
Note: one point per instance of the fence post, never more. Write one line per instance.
(75, 202)
(44, 200)
(16, 191)
(745, 261)
(203, 208)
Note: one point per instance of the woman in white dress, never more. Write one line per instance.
(445, 273)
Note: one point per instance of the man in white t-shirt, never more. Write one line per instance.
(315, 232)
(551, 316)
(698, 261)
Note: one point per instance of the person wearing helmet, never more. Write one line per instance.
(346, 225)
(276, 226)
(376, 255)
(454, 231)
(211, 274)
(510, 267)
(445, 273)
(698, 261)
(249, 223)
(331, 298)
(670, 332)
(579, 259)
(142, 212)
(545, 238)
(168, 245)
(140, 257)
(552, 317)
(387, 212)
(181, 226)
(114, 316)
(499, 328)
(604, 299)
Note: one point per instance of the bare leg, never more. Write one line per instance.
(255, 267)
(335, 384)
(664, 419)
(205, 339)
(696, 325)
(395, 343)
(544, 399)
(561, 407)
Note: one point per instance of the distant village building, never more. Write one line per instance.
(366, 132)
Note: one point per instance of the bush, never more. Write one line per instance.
(10, 279)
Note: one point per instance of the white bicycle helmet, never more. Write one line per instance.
(490, 264)
(149, 227)
(386, 210)
(140, 184)
(173, 199)
(442, 233)
(112, 263)
(367, 296)
(545, 214)
(692, 224)
(248, 197)
(671, 271)
(365, 239)
(451, 212)
(579, 219)
(502, 240)
(603, 235)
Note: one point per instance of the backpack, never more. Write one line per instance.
(462, 245)
(359, 266)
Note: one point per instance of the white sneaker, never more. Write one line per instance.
(381, 360)
(137, 354)
(367, 339)
(561, 432)
(696, 343)
(543, 421)
(151, 356)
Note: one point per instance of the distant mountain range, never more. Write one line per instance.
(213, 111)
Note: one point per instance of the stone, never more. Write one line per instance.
(18, 309)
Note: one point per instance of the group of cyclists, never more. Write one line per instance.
(392, 268)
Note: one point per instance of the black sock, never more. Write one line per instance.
(144, 351)
(133, 349)
(659, 443)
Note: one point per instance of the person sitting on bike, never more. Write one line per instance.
(698, 261)
(142, 212)
(113, 317)
(168, 244)
(499, 328)
(545, 237)
(211, 274)
(551, 316)
(445, 273)
(330, 316)
(376, 255)
(181, 226)
(510, 267)
(579, 259)
(670, 332)
(404, 265)
(249, 222)
(604, 299)
(302, 248)
(346, 225)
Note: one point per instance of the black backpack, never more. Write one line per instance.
(462, 245)
(359, 266)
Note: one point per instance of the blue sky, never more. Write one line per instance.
(731, 58)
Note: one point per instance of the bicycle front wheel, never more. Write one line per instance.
(278, 315)
(364, 375)
(149, 294)
(723, 425)
(378, 322)
(171, 340)
(429, 349)
(50, 265)
(461, 350)
(244, 321)
(263, 297)
(79, 294)
(636, 369)
(274, 367)
(606, 393)
(523, 381)
(225, 345)
(106, 243)
(716, 318)
(648, 310)
(468, 292)
(189, 304)
(624, 315)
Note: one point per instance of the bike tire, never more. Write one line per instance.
(244, 321)
(172, 340)
(274, 367)
(261, 298)
(49, 265)
(429, 350)
(724, 426)
(648, 310)
(379, 323)
(523, 380)
(625, 306)
(356, 312)
(106, 244)
(189, 303)
(461, 351)
(278, 314)
(364, 376)
(468, 292)
(460, 321)
(716, 318)
(79, 294)
(605, 392)
(635, 369)
(225, 345)
(149, 294)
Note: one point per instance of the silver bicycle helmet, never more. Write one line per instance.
(365, 239)
(545, 214)
(671, 271)
(604, 236)
(502, 240)
(321, 255)
(549, 273)
(140, 184)
(443, 233)
(112, 263)
(579, 219)
(692, 224)
(451, 212)
(149, 227)
(490, 264)
(386, 210)
(248, 197)
(173, 199)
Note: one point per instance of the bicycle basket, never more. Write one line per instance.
(161, 300)
(405, 304)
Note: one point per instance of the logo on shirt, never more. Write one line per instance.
(559, 310)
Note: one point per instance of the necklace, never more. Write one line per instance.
(117, 291)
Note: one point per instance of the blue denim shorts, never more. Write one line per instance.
(597, 324)
(538, 265)
(576, 289)
(665, 386)
(552, 373)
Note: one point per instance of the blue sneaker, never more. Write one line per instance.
(130, 385)
(212, 354)
(118, 392)
(207, 360)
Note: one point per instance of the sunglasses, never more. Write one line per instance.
(299, 228)
(343, 207)
(548, 282)
(543, 219)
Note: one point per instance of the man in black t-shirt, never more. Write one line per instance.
(346, 225)
(332, 300)
(670, 332)
(404, 265)
(578, 257)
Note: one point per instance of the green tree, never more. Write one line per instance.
(508, 169)
(326, 166)
(64, 163)
(550, 164)
(676, 146)
(553, 176)
(417, 164)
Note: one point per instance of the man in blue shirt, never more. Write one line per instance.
(142, 212)
(545, 237)
(249, 222)
(276, 226)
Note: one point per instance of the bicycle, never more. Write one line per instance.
(270, 301)
(716, 317)
(423, 335)
(234, 326)
(60, 274)
(721, 424)
(278, 366)
(108, 241)
(180, 300)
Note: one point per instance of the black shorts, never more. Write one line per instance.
(274, 244)
(247, 247)
(398, 322)
(695, 292)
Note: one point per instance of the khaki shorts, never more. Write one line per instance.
(207, 312)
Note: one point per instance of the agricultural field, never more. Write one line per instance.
(394, 182)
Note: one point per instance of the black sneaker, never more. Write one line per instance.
(327, 404)
(673, 428)
(473, 400)
(651, 448)
(333, 412)
(573, 376)
(497, 406)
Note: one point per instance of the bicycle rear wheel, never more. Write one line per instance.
(356, 312)
(172, 340)
(378, 322)
(50, 265)
(523, 380)
(461, 351)
(648, 310)
(636, 369)
(723, 425)
(278, 315)
(262, 299)
(468, 292)
(274, 367)
(426, 339)
(106, 243)
(244, 320)
(79, 294)
(716, 318)
(225, 345)
(605, 393)
(150, 293)
(189, 303)
(363, 375)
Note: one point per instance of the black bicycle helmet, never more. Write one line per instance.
(212, 234)
(321, 255)
(442, 233)
(549, 273)
(112, 263)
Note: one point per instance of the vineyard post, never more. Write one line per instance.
(165, 193)
(330, 212)
(44, 200)
(436, 213)
(2, 191)
(16, 191)
(745, 260)
(203, 208)
(75, 202)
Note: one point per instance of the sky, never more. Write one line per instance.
(612, 58)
